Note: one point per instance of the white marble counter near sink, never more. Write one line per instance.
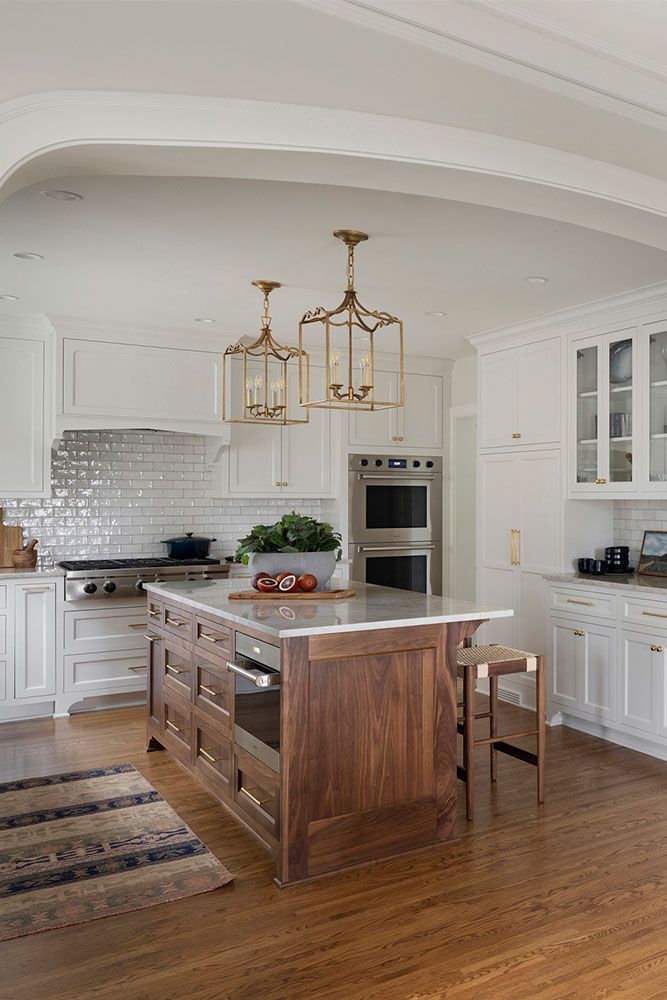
(372, 608)
(625, 582)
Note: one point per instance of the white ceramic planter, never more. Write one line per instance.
(320, 564)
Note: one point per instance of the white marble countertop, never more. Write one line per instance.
(9, 573)
(626, 582)
(371, 608)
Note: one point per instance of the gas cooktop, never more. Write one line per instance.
(93, 565)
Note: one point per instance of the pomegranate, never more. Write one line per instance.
(266, 584)
(307, 582)
(287, 583)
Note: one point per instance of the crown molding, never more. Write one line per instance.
(474, 32)
(575, 318)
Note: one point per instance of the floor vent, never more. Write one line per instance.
(512, 696)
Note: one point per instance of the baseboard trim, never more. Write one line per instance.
(622, 739)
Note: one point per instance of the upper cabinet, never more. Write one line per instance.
(519, 392)
(25, 384)
(416, 424)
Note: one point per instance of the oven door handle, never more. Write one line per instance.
(413, 479)
(416, 547)
(258, 678)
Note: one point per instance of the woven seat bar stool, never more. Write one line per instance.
(491, 661)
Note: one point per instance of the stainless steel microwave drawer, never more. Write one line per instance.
(257, 649)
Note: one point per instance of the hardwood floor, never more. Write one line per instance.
(563, 902)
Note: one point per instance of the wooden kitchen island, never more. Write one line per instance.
(367, 716)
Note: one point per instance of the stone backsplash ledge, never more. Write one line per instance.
(632, 518)
(122, 492)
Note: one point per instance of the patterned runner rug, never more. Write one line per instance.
(78, 846)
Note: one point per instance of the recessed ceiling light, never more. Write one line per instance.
(63, 195)
(204, 319)
(436, 312)
(9, 298)
(28, 255)
(536, 279)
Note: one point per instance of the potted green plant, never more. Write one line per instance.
(294, 544)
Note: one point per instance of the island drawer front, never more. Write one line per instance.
(177, 729)
(578, 602)
(639, 611)
(178, 623)
(213, 638)
(213, 691)
(155, 613)
(256, 792)
(213, 757)
(177, 670)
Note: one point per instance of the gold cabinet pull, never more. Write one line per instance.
(656, 649)
(515, 559)
(578, 631)
(654, 614)
(175, 621)
(209, 638)
(285, 484)
(208, 756)
(600, 482)
(151, 638)
(573, 600)
(276, 484)
(139, 625)
(153, 614)
(138, 670)
(208, 690)
(253, 798)
(35, 590)
(174, 670)
(172, 725)
(516, 436)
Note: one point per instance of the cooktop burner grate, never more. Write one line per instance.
(93, 565)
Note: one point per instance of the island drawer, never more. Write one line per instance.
(257, 792)
(179, 623)
(639, 611)
(582, 602)
(177, 671)
(177, 729)
(213, 757)
(213, 691)
(213, 637)
(155, 612)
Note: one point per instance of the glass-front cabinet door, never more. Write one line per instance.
(654, 341)
(604, 374)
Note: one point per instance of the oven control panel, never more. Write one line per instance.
(395, 463)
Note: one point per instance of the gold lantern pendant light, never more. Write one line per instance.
(262, 376)
(351, 382)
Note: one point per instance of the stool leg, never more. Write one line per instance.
(541, 712)
(469, 736)
(493, 726)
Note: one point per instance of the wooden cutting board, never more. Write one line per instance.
(11, 537)
(313, 595)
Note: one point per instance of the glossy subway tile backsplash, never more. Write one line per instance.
(632, 518)
(122, 492)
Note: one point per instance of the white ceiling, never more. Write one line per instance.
(160, 251)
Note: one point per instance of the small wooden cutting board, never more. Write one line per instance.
(313, 595)
(11, 537)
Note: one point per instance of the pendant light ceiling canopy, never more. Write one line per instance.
(350, 347)
(260, 378)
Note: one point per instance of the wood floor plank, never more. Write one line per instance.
(563, 902)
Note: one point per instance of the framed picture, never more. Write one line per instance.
(653, 557)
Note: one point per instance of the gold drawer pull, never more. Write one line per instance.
(138, 670)
(253, 798)
(151, 638)
(578, 631)
(209, 638)
(656, 649)
(174, 670)
(516, 436)
(208, 756)
(573, 600)
(654, 614)
(140, 625)
(208, 690)
(176, 622)
(153, 614)
(35, 590)
(173, 726)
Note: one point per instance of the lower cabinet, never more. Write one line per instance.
(643, 683)
(583, 668)
(35, 641)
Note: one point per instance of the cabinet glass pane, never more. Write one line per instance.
(658, 406)
(587, 415)
(620, 411)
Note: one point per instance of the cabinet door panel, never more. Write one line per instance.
(22, 444)
(539, 392)
(420, 420)
(540, 524)
(564, 663)
(598, 672)
(497, 587)
(498, 399)
(638, 682)
(379, 427)
(306, 448)
(499, 509)
(254, 460)
(35, 641)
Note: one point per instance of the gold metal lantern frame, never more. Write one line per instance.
(352, 318)
(264, 369)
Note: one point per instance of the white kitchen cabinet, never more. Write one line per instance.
(86, 674)
(24, 449)
(35, 640)
(563, 672)
(519, 393)
(643, 663)
(418, 424)
(254, 460)
(583, 668)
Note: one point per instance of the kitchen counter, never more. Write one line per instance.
(9, 573)
(626, 582)
(372, 608)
